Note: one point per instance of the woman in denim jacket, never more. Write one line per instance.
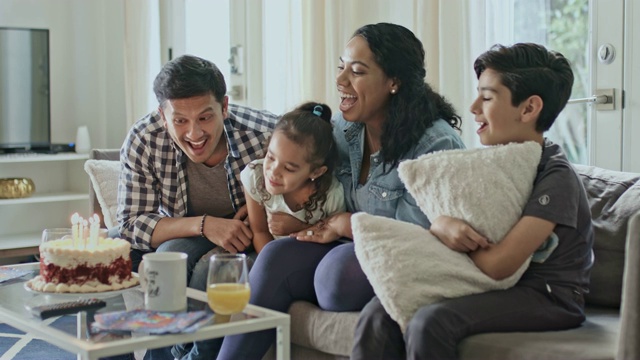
(388, 114)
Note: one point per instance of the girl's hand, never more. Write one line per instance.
(457, 234)
(283, 224)
(327, 230)
(242, 214)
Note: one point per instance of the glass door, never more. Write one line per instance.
(590, 35)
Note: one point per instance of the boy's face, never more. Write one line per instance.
(500, 122)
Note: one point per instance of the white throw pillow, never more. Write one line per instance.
(104, 175)
(407, 266)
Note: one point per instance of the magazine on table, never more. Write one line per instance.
(151, 322)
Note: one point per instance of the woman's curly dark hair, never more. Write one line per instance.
(308, 125)
(415, 106)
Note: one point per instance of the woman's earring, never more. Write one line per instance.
(313, 179)
(393, 91)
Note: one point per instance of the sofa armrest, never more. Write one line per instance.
(629, 346)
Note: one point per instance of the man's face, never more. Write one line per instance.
(196, 125)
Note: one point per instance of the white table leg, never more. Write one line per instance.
(81, 327)
(283, 342)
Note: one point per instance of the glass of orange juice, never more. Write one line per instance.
(228, 283)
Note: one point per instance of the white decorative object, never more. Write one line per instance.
(104, 176)
(409, 267)
(83, 141)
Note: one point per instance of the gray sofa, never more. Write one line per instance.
(612, 328)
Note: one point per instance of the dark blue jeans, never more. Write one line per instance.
(288, 270)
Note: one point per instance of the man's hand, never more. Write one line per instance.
(283, 224)
(457, 234)
(230, 234)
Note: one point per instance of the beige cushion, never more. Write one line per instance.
(407, 266)
(613, 197)
(328, 331)
(104, 176)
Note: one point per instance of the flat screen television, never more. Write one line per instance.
(25, 119)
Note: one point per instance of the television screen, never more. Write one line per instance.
(24, 89)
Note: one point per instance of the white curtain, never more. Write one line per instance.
(142, 56)
(308, 59)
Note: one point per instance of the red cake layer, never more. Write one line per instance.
(120, 268)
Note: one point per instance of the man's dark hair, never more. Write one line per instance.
(528, 69)
(187, 76)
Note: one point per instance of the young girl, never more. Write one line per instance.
(296, 175)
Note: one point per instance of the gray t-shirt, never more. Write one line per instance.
(559, 196)
(208, 191)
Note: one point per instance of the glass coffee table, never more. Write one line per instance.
(15, 301)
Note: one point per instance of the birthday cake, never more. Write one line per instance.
(66, 267)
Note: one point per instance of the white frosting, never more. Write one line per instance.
(62, 253)
(39, 284)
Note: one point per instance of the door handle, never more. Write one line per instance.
(604, 99)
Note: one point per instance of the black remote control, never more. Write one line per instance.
(69, 307)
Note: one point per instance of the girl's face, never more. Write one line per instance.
(285, 166)
(364, 88)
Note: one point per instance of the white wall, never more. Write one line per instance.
(86, 64)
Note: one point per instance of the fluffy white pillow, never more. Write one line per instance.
(407, 266)
(104, 176)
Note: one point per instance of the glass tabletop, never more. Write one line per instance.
(15, 303)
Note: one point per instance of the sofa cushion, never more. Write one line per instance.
(407, 266)
(327, 331)
(104, 176)
(613, 197)
(594, 339)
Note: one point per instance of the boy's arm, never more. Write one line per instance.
(258, 220)
(457, 234)
(501, 260)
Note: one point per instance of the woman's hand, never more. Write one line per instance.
(327, 230)
(457, 234)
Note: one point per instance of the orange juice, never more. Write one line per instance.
(228, 298)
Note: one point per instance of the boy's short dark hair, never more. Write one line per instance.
(528, 69)
(187, 76)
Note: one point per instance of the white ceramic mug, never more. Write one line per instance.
(163, 276)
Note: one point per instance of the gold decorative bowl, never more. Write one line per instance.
(13, 188)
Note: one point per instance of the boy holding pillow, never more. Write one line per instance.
(521, 90)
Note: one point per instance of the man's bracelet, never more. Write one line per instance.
(202, 227)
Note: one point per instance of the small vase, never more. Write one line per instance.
(83, 142)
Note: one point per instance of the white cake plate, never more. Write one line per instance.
(75, 296)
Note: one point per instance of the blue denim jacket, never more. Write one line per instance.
(387, 195)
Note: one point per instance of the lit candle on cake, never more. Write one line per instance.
(94, 226)
(85, 228)
(75, 229)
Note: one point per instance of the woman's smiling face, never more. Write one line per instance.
(364, 88)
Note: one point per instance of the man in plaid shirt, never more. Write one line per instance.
(180, 187)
